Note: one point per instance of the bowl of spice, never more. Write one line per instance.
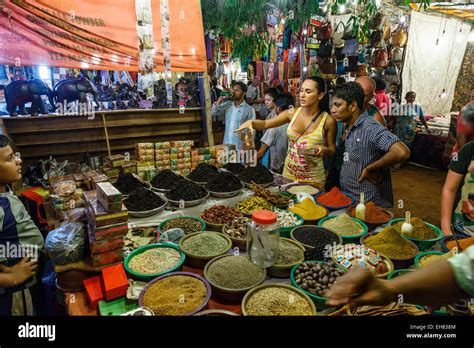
(425, 258)
(288, 220)
(188, 194)
(274, 198)
(188, 224)
(237, 232)
(350, 229)
(424, 235)
(251, 204)
(127, 182)
(218, 215)
(309, 211)
(449, 243)
(398, 273)
(277, 300)
(374, 216)
(258, 174)
(165, 181)
(154, 260)
(231, 276)
(318, 240)
(224, 185)
(203, 173)
(176, 294)
(235, 168)
(143, 203)
(390, 243)
(289, 254)
(314, 278)
(334, 200)
(312, 190)
(201, 247)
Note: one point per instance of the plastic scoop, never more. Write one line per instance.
(407, 227)
(360, 209)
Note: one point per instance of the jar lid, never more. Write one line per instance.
(264, 217)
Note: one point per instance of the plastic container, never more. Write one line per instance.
(398, 272)
(247, 138)
(202, 222)
(420, 255)
(348, 239)
(423, 244)
(263, 238)
(149, 277)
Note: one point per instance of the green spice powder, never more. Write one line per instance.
(288, 253)
(234, 272)
(205, 244)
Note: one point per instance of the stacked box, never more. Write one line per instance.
(106, 225)
(115, 161)
(110, 171)
(129, 167)
(183, 143)
(145, 152)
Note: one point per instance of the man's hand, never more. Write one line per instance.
(246, 124)
(220, 100)
(23, 270)
(374, 176)
(360, 287)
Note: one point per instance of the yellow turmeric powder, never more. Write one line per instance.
(390, 243)
(308, 210)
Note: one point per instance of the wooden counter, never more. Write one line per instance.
(72, 137)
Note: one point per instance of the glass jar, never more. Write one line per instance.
(247, 139)
(263, 238)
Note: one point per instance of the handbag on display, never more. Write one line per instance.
(362, 70)
(391, 69)
(340, 68)
(377, 21)
(399, 37)
(338, 53)
(353, 61)
(397, 54)
(350, 47)
(327, 66)
(325, 49)
(380, 58)
(376, 39)
(337, 36)
(387, 31)
(324, 31)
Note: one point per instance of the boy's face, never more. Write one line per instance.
(341, 110)
(10, 166)
(410, 98)
(393, 89)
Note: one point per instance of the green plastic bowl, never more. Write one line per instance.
(319, 301)
(420, 255)
(203, 223)
(348, 239)
(421, 243)
(398, 272)
(285, 231)
(149, 277)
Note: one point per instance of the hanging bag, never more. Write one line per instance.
(380, 58)
(325, 49)
(376, 39)
(399, 37)
(337, 36)
(377, 21)
(350, 47)
(324, 31)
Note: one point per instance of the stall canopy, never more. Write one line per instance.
(100, 35)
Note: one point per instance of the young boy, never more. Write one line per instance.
(21, 244)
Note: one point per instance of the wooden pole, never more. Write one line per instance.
(208, 107)
(106, 134)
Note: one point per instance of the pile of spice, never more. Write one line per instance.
(142, 199)
(271, 197)
(126, 183)
(420, 229)
(249, 205)
(203, 173)
(220, 214)
(287, 219)
(430, 258)
(373, 214)
(294, 190)
(156, 260)
(391, 244)
(308, 210)
(166, 180)
(205, 244)
(234, 272)
(334, 198)
(317, 278)
(288, 253)
(318, 238)
(224, 182)
(187, 191)
(175, 295)
(237, 229)
(187, 225)
(277, 301)
(235, 168)
(258, 174)
(463, 243)
(343, 225)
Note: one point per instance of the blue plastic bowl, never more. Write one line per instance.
(445, 239)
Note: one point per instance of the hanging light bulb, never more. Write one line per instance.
(305, 69)
(295, 50)
(342, 9)
(305, 31)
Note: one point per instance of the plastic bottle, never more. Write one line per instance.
(263, 238)
(360, 209)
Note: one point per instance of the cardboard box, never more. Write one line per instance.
(94, 291)
(115, 282)
(109, 197)
(98, 216)
(110, 172)
(183, 143)
(114, 161)
(144, 146)
(100, 233)
(104, 245)
(107, 258)
(162, 145)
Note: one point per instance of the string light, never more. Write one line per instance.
(305, 69)
(294, 50)
(305, 31)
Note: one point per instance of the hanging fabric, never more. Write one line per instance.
(260, 70)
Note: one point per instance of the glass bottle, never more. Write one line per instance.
(263, 238)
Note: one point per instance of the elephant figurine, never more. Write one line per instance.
(18, 93)
(75, 89)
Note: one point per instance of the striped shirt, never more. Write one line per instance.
(366, 142)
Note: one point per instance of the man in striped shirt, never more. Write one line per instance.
(370, 149)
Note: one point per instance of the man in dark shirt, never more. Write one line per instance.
(370, 148)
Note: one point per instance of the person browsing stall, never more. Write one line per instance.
(311, 133)
(368, 86)
(20, 282)
(370, 148)
(235, 111)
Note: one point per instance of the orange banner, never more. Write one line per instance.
(101, 35)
